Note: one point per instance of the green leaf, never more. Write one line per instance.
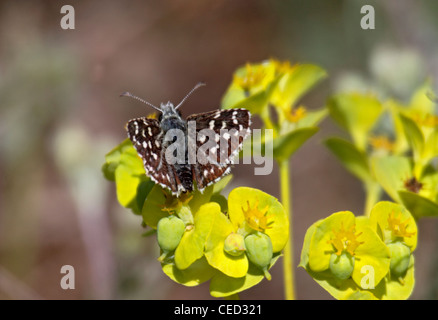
(419, 206)
(123, 165)
(286, 145)
(431, 145)
(256, 99)
(222, 183)
(420, 100)
(391, 172)
(221, 200)
(152, 210)
(304, 261)
(200, 198)
(295, 83)
(313, 118)
(112, 159)
(254, 104)
(353, 159)
(414, 135)
(357, 113)
(131, 190)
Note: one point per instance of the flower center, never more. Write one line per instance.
(172, 204)
(282, 67)
(345, 240)
(255, 218)
(398, 227)
(382, 143)
(253, 77)
(428, 120)
(296, 114)
(413, 185)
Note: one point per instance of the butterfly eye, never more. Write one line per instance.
(179, 113)
(160, 117)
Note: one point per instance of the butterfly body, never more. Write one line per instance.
(170, 119)
(153, 139)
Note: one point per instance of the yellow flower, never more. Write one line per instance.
(296, 114)
(253, 76)
(382, 143)
(398, 227)
(282, 67)
(255, 218)
(152, 115)
(345, 240)
(427, 120)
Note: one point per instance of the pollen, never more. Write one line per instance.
(296, 114)
(257, 219)
(152, 115)
(398, 227)
(282, 67)
(345, 240)
(254, 75)
(382, 143)
(428, 120)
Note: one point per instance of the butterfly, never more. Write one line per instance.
(207, 145)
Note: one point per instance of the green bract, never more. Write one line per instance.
(360, 257)
(250, 212)
(198, 241)
(382, 133)
(123, 166)
(341, 234)
(398, 229)
(256, 86)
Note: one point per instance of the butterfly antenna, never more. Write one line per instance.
(200, 84)
(129, 94)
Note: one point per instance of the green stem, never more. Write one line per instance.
(373, 192)
(288, 270)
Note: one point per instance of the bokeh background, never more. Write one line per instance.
(60, 112)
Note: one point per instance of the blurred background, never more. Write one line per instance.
(60, 113)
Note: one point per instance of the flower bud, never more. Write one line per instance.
(169, 232)
(259, 249)
(400, 258)
(234, 244)
(342, 266)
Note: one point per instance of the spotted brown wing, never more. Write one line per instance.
(220, 133)
(146, 137)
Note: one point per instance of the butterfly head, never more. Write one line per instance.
(168, 111)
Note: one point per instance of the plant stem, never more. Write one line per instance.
(373, 192)
(288, 270)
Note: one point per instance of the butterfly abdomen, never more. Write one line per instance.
(184, 172)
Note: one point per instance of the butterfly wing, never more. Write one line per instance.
(228, 128)
(146, 137)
